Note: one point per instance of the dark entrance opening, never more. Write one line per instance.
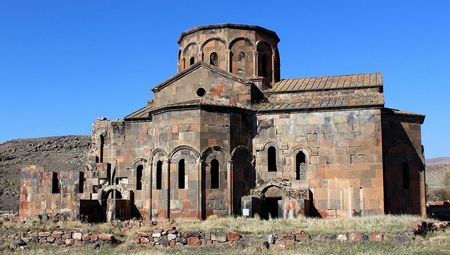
(91, 211)
(269, 208)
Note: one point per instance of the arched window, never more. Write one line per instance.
(213, 59)
(272, 159)
(159, 175)
(102, 145)
(55, 183)
(181, 174)
(265, 55)
(139, 177)
(231, 62)
(241, 63)
(263, 70)
(214, 174)
(191, 61)
(300, 166)
(405, 175)
(80, 182)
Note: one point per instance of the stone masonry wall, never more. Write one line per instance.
(219, 90)
(343, 158)
(404, 167)
(38, 199)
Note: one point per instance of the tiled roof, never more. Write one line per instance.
(328, 82)
(331, 99)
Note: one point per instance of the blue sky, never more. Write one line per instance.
(65, 63)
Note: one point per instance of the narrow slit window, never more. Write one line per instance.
(241, 63)
(263, 66)
(55, 183)
(81, 182)
(405, 175)
(213, 59)
(139, 177)
(102, 145)
(272, 159)
(191, 61)
(159, 175)
(181, 174)
(214, 174)
(300, 166)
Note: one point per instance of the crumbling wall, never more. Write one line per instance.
(39, 199)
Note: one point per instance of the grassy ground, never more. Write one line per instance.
(375, 224)
(434, 244)
(255, 232)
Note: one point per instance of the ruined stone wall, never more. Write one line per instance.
(404, 177)
(196, 136)
(343, 158)
(39, 198)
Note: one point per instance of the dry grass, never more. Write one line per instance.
(255, 231)
(373, 224)
(434, 244)
(36, 225)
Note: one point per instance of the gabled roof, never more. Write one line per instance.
(196, 66)
(142, 113)
(327, 82)
(326, 99)
(409, 115)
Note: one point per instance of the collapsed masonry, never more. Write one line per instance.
(226, 136)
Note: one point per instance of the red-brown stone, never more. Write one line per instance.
(94, 237)
(233, 236)
(85, 237)
(106, 237)
(354, 237)
(57, 234)
(143, 234)
(44, 234)
(144, 240)
(194, 241)
(376, 237)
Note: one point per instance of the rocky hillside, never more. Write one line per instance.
(56, 153)
(438, 178)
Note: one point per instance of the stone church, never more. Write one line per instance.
(227, 136)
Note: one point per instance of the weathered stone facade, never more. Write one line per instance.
(226, 136)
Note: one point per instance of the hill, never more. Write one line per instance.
(438, 178)
(56, 153)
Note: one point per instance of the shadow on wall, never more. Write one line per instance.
(403, 174)
(94, 212)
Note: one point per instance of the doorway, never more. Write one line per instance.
(269, 208)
